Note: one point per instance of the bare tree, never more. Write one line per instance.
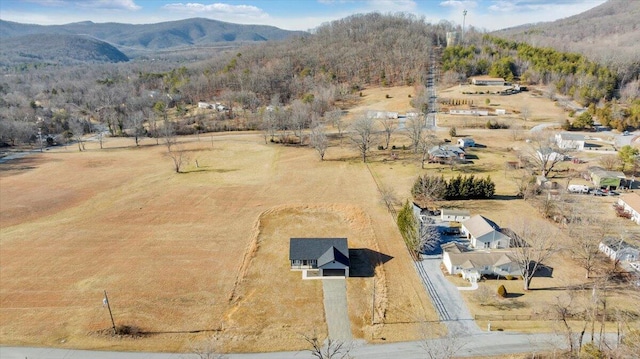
(318, 140)
(609, 162)
(536, 242)
(586, 235)
(543, 153)
(427, 140)
(363, 136)
(415, 127)
(389, 198)
(429, 236)
(445, 347)
(333, 349)
(76, 127)
(179, 157)
(207, 349)
(135, 124)
(525, 112)
(334, 117)
(269, 124)
(389, 125)
(300, 118)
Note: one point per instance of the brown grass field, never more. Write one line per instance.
(205, 253)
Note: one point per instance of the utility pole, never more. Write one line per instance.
(105, 301)
(373, 302)
(464, 17)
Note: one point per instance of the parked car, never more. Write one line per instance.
(612, 193)
(598, 192)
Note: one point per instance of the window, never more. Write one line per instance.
(485, 244)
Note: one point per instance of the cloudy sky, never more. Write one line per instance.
(290, 14)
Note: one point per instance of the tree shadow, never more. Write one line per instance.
(514, 295)
(363, 261)
(503, 197)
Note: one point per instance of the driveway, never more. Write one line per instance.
(446, 298)
(335, 309)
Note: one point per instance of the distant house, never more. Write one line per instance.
(631, 204)
(454, 215)
(571, 141)
(484, 233)
(466, 142)
(204, 105)
(501, 111)
(619, 250)
(445, 153)
(487, 81)
(469, 112)
(602, 178)
(328, 256)
(474, 264)
(547, 154)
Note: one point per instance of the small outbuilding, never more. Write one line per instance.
(466, 142)
(454, 215)
(602, 178)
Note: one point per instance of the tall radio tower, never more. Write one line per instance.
(464, 17)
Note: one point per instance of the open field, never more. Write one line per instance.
(195, 252)
(205, 253)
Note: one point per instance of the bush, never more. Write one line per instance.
(502, 291)
(393, 147)
(380, 147)
(387, 96)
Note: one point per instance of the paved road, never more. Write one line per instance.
(446, 298)
(480, 344)
(335, 309)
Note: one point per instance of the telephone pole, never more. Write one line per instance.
(105, 301)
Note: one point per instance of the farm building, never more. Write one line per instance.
(487, 81)
(454, 215)
(602, 178)
(630, 202)
(484, 233)
(329, 257)
(570, 141)
(466, 142)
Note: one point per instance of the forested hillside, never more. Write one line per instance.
(304, 80)
(64, 49)
(608, 34)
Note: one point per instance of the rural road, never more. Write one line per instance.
(478, 344)
(335, 309)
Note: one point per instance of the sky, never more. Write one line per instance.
(291, 14)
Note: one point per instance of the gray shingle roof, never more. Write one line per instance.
(332, 255)
(314, 248)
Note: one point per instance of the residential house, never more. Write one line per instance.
(501, 111)
(327, 256)
(548, 155)
(471, 112)
(631, 204)
(454, 215)
(445, 153)
(602, 178)
(570, 141)
(484, 233)
(619, 250)
(487, 81)
(466, 142)
(204, 105)
(474, 264)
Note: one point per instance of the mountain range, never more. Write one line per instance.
(129, 39)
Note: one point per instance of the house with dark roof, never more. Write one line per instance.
(328, 257)
(445, 153)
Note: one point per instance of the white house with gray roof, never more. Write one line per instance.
(484, 233)
(454, 215)
(329, 257)
(474, 264)
(570, 141)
